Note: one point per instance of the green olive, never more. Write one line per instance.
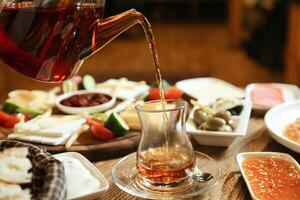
(231, 124)
(200, 116)
(203, 126)
(216, 124)
(227, 128)
(226, 115)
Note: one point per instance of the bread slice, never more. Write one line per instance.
(13, 191)
(21, 152)
(15, 166)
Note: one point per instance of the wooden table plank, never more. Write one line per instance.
(231, 185)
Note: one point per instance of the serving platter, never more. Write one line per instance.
(92, 149)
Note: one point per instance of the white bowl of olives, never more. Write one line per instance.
(219, 123)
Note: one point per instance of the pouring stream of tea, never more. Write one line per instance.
(151, 41)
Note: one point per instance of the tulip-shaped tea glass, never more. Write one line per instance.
(165, 152)
(165, 163)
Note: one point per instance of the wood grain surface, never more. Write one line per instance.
(231, 185)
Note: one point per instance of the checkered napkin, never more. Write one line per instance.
(48, 180)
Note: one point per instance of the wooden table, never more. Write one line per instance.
(231, 185)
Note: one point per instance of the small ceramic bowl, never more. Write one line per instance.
(242, 156)
(220, 138)
(104, 185)
(89, 109)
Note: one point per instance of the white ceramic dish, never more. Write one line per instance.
(93, 170)
(290, 93)
(278, 118)
(91, 109)
(242, 156)
(209, 89)
(219, 138)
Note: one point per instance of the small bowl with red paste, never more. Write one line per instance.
(85, 101)
(270, 175)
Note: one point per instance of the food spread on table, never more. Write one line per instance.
(292, 131)
(30, 113)
(272, 178)
(33, 117)
(14, 173)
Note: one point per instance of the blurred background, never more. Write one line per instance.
(239, 41)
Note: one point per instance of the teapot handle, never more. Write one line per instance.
(105, 30)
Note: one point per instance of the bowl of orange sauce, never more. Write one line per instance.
(270, 175)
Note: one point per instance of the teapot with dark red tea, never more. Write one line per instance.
(48, 40)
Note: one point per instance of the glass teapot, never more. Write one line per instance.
(48, 40)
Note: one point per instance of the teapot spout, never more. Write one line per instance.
(105, 30)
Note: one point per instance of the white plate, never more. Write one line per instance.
(242, 156)
(90, 109)
(290, 92)
(93, 170)
(209, 89)
(278, 118)
(219, 138)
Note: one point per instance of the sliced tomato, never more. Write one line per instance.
(7, 120)
(4, 117)
(170, 93)
(154, 94)
(98, 131)
(173, 93)
(13, 120)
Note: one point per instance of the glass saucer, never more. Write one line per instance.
(126, 177)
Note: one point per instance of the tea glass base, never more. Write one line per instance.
(127, 178)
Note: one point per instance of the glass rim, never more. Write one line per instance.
(139, 106)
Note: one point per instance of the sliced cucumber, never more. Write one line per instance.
(117, 125)
(88, 82)
(29, 111)
(10, 108)
(13, 109)
(69, 86)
